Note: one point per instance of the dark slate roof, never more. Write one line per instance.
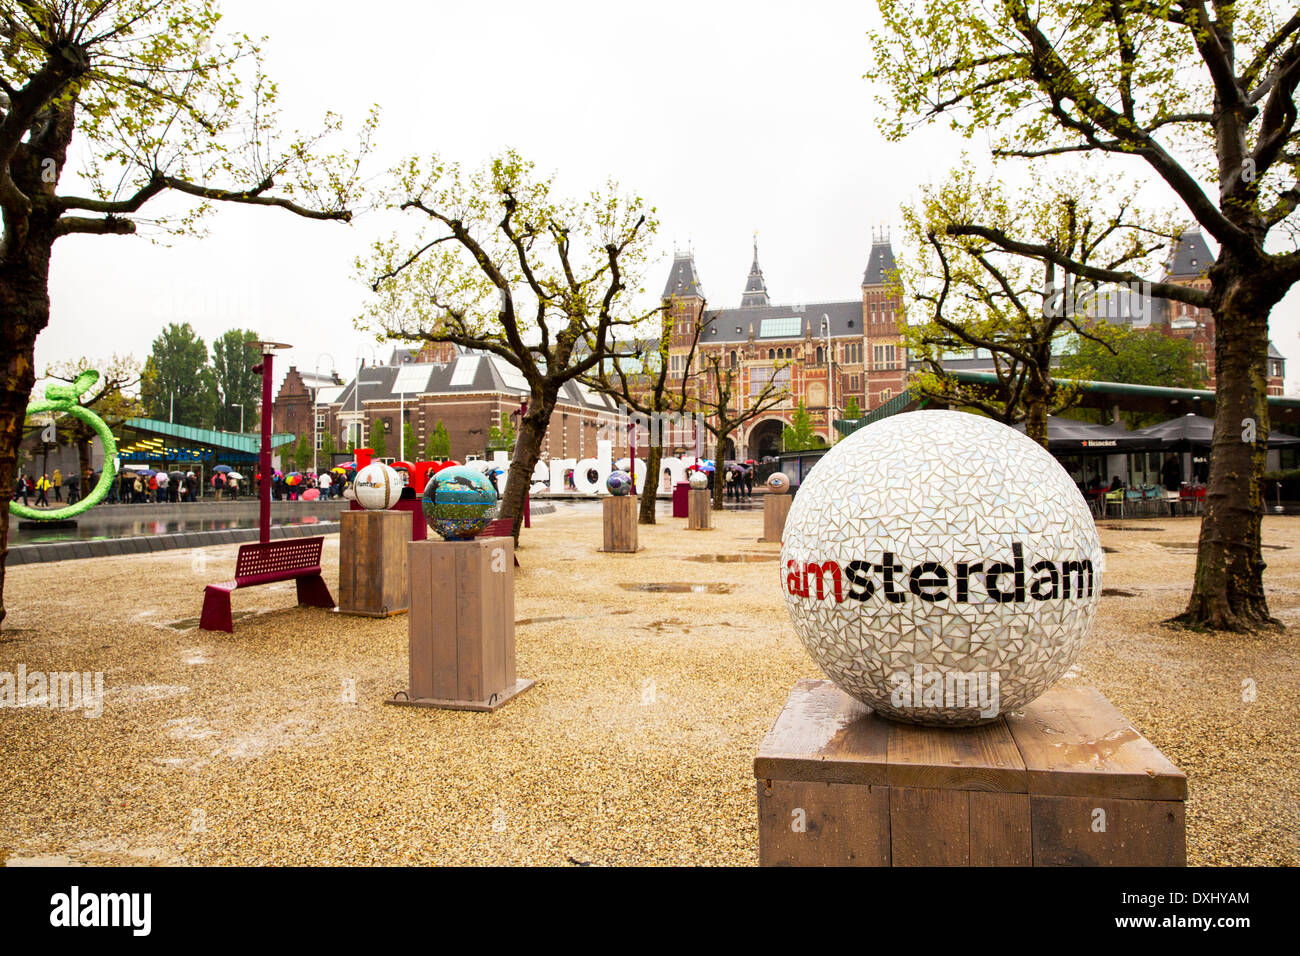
(880, 263)
(845, 319)
(755, 287)
(1191, 256)
(470, 372)
(682, 279)
(1273, 352)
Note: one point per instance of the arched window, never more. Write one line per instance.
(771, 353)
(818, 360)
(733, 358)
(789, 353)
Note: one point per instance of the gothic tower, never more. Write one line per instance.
(882, 320)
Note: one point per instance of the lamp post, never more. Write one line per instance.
(239, 405)
(264, 458)
(830, 381)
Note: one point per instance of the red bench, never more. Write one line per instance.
(295, 559)
(501, 528)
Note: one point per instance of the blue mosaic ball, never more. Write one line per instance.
(459, 502)
(619, 483)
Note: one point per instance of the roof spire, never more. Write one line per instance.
(755, 288)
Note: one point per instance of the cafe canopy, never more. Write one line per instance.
(147, 441)
(1069, 436)
(1196, 431)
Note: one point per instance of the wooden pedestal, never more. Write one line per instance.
(620, 522)
(373, 579)
(701, 506)
(1065, 782)
(775, 509)
(462, 624)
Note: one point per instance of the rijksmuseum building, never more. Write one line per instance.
(822, 354)
(819, 353)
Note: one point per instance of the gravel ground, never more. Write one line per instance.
(635, 747)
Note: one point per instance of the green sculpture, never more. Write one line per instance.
(64, 398)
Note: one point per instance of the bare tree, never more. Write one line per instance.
(160, 103)
(501, 266)
(1204, 96)
(654, 391)
(726, 407)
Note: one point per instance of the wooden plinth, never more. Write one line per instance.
(1067, 781)
(461, 627)
(775, 510)
(700, 509)
(373, 580)
(620, 523)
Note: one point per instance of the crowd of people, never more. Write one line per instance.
(133, 486)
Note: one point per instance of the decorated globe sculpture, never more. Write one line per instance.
(377, 487)
(778, 483)
(459, 502)
(940, 567)
(619, 483)
(699, 480)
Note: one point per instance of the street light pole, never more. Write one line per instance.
(264, 458)
(239, 406)
(830, 382)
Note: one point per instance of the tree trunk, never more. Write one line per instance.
(1229, 589)
(24, 312)
(1036, 418)
(650, 494)
(528, 448)
(719, 475)
(83, 458)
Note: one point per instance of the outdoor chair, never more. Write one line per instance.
(1133, 501)
(1114, 499)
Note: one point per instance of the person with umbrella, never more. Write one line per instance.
(219, 479)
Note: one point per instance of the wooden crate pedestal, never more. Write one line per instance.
(462, 625)
(700, 508)
(620, 523)
(372, 562)
(775, 509)
(1067, 781)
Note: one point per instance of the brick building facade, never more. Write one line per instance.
(822, 353)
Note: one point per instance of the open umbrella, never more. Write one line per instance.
(223, 468)
(311, 494)
(293, 479)
(147, 473)
(236, 475)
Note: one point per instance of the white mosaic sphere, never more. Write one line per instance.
(377, 487)
(886, 560)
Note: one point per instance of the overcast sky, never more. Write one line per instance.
(729, 118)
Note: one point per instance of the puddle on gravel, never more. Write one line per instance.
(678, 587)
(744, 557)
(567, 617)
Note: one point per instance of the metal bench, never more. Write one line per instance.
(501, 528)
(296, 559)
